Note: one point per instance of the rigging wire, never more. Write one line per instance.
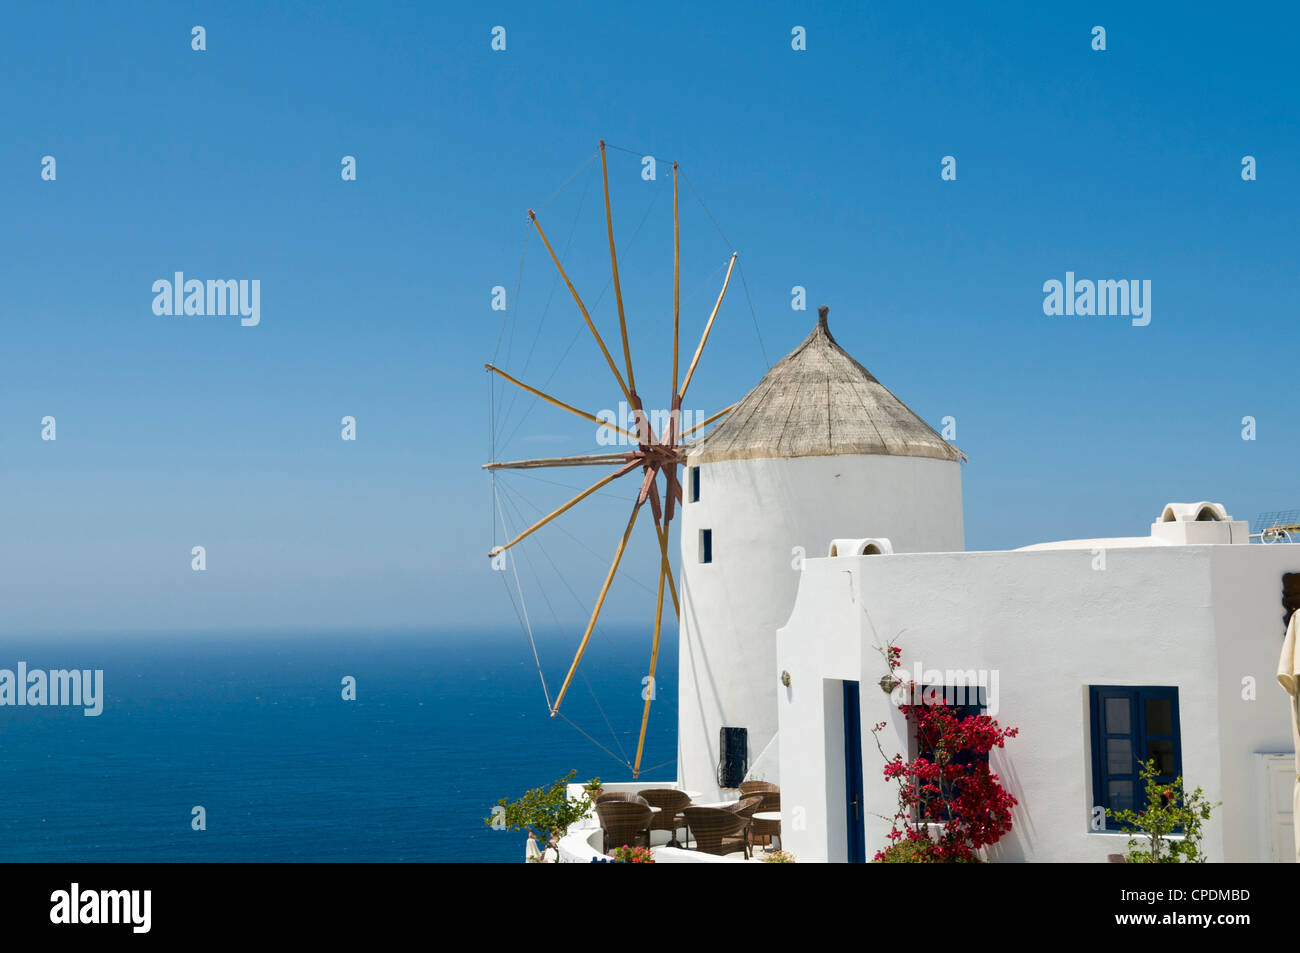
(578, 333)
(661, 764)
(602, 557)
(691, 186)
(555, 283)
(514, 297)
(565, 184)
(622, 761)
(554, 615)
(528, 626)
(754, 315)
(608, 724)
(606, 494)
(599, 630)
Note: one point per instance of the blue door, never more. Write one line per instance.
(857, 837)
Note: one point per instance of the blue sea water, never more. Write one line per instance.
(255, 730)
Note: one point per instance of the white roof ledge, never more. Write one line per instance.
(1113, 542)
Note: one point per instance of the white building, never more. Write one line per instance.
(1173, 637)
(1101, 651)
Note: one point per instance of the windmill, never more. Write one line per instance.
(655, 459)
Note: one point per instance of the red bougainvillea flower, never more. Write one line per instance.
(951, 784)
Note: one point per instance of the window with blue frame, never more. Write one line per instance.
(1131, 725)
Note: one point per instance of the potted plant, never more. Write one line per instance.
(593, 789)
(632, 855)
(548, 812)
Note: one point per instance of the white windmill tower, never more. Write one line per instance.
(819, 449)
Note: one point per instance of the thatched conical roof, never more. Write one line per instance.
(818, 401)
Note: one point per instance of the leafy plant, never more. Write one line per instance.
(918, 850)
(1169, 810)
(778, 857)
(548, 812)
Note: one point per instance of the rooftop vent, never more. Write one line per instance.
(861, 547)
(1202, 512)
(1196, 523)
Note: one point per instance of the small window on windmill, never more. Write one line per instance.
(695, 484)
(706, 545)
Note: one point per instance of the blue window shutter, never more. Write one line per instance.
(1130, 725)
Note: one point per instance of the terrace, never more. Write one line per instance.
(722, 832)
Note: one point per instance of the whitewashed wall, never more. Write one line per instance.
(1197, 617)
(759, 510)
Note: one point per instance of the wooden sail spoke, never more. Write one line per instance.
(589, 460)
(709, 420)
(707, 328)
(650, 687)
(670, 480)
(646, 434)
(595, 613)
(626, 468)
(613, 264)
(662, 534)
(647, 484)
(653, 495)
(583, 308)
(556, 402)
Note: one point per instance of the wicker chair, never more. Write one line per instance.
(746, 807)
(717, 830)
(621, 796)
(671, 803)
(624, 822)
(748, 788)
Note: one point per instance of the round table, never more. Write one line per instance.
(770, 817)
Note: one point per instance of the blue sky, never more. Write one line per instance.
(822, 168)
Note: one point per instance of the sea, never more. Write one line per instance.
(256, 731)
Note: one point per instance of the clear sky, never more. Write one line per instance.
(821, 167)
